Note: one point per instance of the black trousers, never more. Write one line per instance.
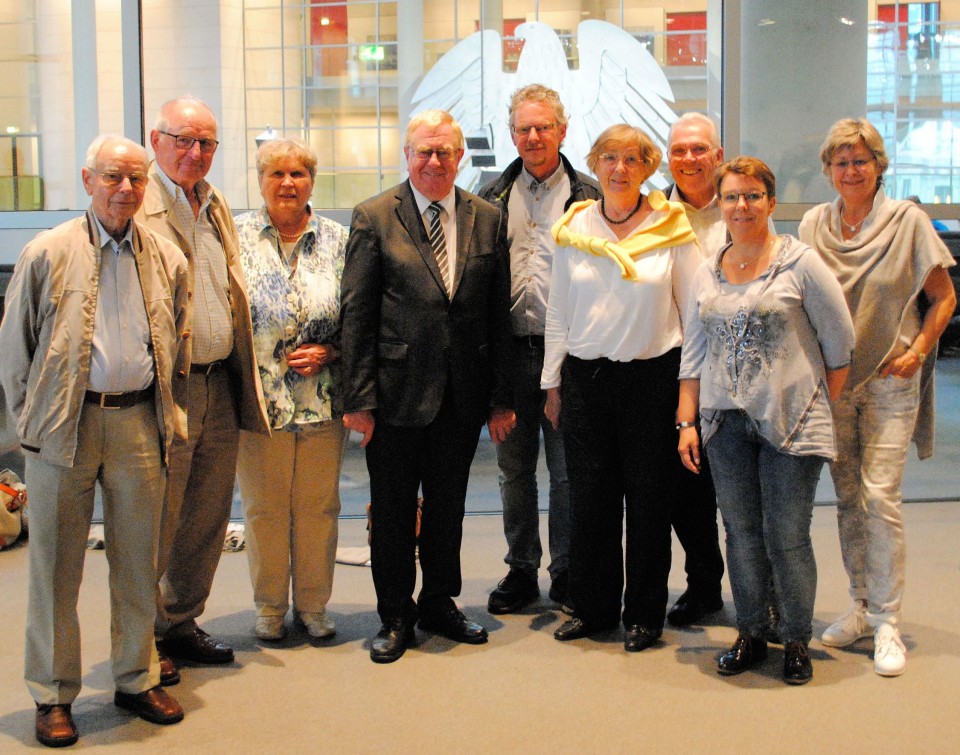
(400, 460)
(694, 519)
(621, 445)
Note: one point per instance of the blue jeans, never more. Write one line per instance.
(766, 499)
(517, 458)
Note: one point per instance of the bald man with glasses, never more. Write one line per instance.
(224, 386)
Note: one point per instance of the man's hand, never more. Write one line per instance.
(501, 422)
(552, 407)
(363, 422)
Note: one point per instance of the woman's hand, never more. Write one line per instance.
(552, 407)
(689, 448)
(310, 358)
(903, 367)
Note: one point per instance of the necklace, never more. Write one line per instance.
(611, 221)
(852, 227)
(289, 236)
(743, 265)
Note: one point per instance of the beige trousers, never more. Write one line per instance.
(120, 449)
(290, 488)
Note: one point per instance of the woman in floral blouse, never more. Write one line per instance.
(289, 482)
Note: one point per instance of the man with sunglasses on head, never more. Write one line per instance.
(426, 361)
(532, 193)
(92, 354)
(224, 386)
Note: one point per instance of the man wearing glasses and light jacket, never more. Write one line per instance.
(224, 387)
(533, 192)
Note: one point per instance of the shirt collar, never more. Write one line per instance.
(449, 202)
(267, 225)
(535, 185)
(174, 191)
(675, 196)
(107, 240)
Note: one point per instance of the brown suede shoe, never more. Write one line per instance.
(55, 727)
(154, 705)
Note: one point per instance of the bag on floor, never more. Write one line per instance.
(13, 508)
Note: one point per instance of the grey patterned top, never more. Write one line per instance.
(290, 307)
(764, 347)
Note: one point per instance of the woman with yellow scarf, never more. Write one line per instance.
(621, 279)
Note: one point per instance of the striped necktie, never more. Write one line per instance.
(439, 243)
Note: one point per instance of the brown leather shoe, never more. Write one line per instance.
(169, 673)
(154, 705)
(55, 727)
(197, 646)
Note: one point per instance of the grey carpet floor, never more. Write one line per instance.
(523, 692)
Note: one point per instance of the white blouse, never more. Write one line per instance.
(593, 312)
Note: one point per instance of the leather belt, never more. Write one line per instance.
(118, 400)
(205, 369)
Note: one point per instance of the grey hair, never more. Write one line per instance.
(433, 118)
(538, 93)
(276, 149)
(97, 145)
(697, 118)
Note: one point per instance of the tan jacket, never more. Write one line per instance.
(47, 333)
(156, 213)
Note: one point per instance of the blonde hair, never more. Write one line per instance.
(850, 132)
(277, 149)
(625, 135)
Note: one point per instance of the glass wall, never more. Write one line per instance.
(343, 75)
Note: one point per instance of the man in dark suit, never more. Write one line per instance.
(426, 359)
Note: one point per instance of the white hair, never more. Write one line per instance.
(93, 151)
(697, 118)
(163, 124)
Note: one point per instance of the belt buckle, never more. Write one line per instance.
(103, 397)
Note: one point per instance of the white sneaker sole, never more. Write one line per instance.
(830, 642)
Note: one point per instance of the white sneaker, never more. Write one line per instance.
(850, 627)
(318, 624)
(270, 628)
(889, 654)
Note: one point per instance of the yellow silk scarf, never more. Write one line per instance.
(672, 229)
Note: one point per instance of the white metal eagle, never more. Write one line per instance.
(618, 81)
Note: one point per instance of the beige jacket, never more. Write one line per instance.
(156, 214)
(47, 331)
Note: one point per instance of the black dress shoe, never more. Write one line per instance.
(392, 641)
(691, 607)
(453, 625)
(516, 590)
(576, 628)
(637, 638)
(169, 673)
(54, 726)
(154, 705)
(746, 653)
(797, 668)
(196, 646)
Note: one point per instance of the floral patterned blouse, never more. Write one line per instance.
(291, 306)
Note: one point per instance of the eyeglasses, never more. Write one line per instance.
(115, 178)
(186, 142)
(732, 198)
(859, 164)
(424, 154)
(697, 150)
(540, 128)
(610, 160)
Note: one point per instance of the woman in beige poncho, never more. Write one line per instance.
(887, 256)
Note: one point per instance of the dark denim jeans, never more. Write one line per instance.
(517, 458)
(766, 499)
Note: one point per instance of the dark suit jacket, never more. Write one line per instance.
(403, 340)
